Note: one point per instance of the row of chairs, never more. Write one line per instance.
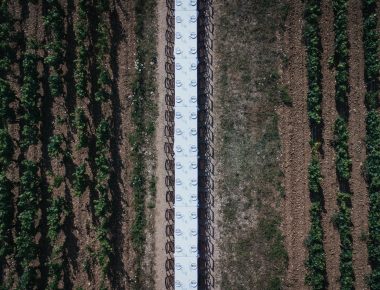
(168, 147)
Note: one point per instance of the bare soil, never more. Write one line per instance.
(295, 148)
(161, 205)
(329, 183)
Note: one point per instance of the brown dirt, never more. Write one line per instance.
(295, 135)
(329, 183)
(161, 204)
(357, 149)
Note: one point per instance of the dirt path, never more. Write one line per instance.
(357, 131)
(161, 204)
(329, 183)
(295, 135)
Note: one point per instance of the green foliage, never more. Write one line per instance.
(6, 148)
(80, 123)
(80, 180)
(316, 262)
(55, 212)
(55, 84)
(313, 46)
(372, 173)
(315, 178)
(26, 247)
(53, 21)
(344, 225)
(6, 97)
(102, 48)
(81, 61)
(371, 48)
(58, 181)
(54, 26)
(6, 145)
(102, 135)
(341, 54)
(54, 146)
(6, 37)
(29, 100)
(343, 161)
(101, 204)
(5, 214)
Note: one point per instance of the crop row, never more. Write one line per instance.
(81, 61)
(102, 176)
(102, 204)
(316, 262)
(143, 113)
(80, 178)
(29, 196)
(54, 25)
(372, 166)
(102, 48)
(342, 219)
(6, 146)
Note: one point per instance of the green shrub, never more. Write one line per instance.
(343, 161)
(316, 261)
(55, 212)
(81, 32)
(80, 123)
(27, 205)
(80, 180)
(6, 97)
(5, 214)
(29, 101)
(6, 149)
(54, 146)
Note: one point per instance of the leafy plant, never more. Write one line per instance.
(80, 180)
(54, 146)
(81, 127)
(29, 100)
(5, 214)
(55, 212)
(26, 247)
(81, 32)
(343, 161)
(316, 261)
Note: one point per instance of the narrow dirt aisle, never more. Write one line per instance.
(329, 183)
(357, 129)
(295, 136)
(161, 204)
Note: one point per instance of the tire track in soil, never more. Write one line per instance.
(357, 150)
(295, 136)
(161, 204)
(330, 186)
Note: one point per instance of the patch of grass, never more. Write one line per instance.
(249, 145)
